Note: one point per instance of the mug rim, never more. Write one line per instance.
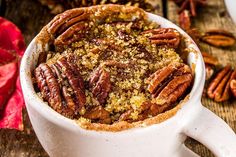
(47, 112)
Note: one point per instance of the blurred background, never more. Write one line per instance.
(31, 15)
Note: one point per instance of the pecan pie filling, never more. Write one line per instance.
(109, 63)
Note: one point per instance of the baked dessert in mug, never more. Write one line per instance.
(108, 64)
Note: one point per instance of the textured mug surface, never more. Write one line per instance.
(61, 136)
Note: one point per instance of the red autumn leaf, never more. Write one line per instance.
(8, 74)
(6, 56)
(11, 37)
(12, 114)
(12, 47)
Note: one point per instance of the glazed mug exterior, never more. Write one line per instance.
(61, 136)
(231, 8)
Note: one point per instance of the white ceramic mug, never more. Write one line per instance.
(61, 136)
(231, 8)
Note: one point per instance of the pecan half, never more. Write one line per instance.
(168, 84)
(71, 73)
(68, 26)
(74, 33)
(210, 64)
(209, 59)
(164, 36)
(98, 114)
(219, 88)
(184, 20)
(48, 86)
(100, 84)
(62, 86)
(219, 38)
(63, 21)
(233, 86)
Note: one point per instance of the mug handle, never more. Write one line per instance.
(212, 132)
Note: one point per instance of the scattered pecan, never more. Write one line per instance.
(189, 4)
(184, 20)
(98, 114)
(100, 84)
(62, 86)
(209, 59)
(164, 36)
(168, 84)
(219, 88)
(210, 64)
(233, 86)
(219, 38)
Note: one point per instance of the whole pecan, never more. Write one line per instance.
(168, 84)
(233, 86)
(98, 114)
(62, 86)
(219, 38)
(219, 88)
(100, 84)
(184, 20)
(164, 36)
(210, 64)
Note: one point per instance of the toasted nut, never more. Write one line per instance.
(209, 59)
(49, 86)
(100, 84)
(219, 88)
(164, 36)
(219, 38)
(184, 20)
(168, 84)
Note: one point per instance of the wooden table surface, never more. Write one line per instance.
(30, 16)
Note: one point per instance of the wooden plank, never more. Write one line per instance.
(213, 16)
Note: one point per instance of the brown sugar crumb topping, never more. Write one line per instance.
(109, 67)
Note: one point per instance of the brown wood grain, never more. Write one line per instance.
(30, 16)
